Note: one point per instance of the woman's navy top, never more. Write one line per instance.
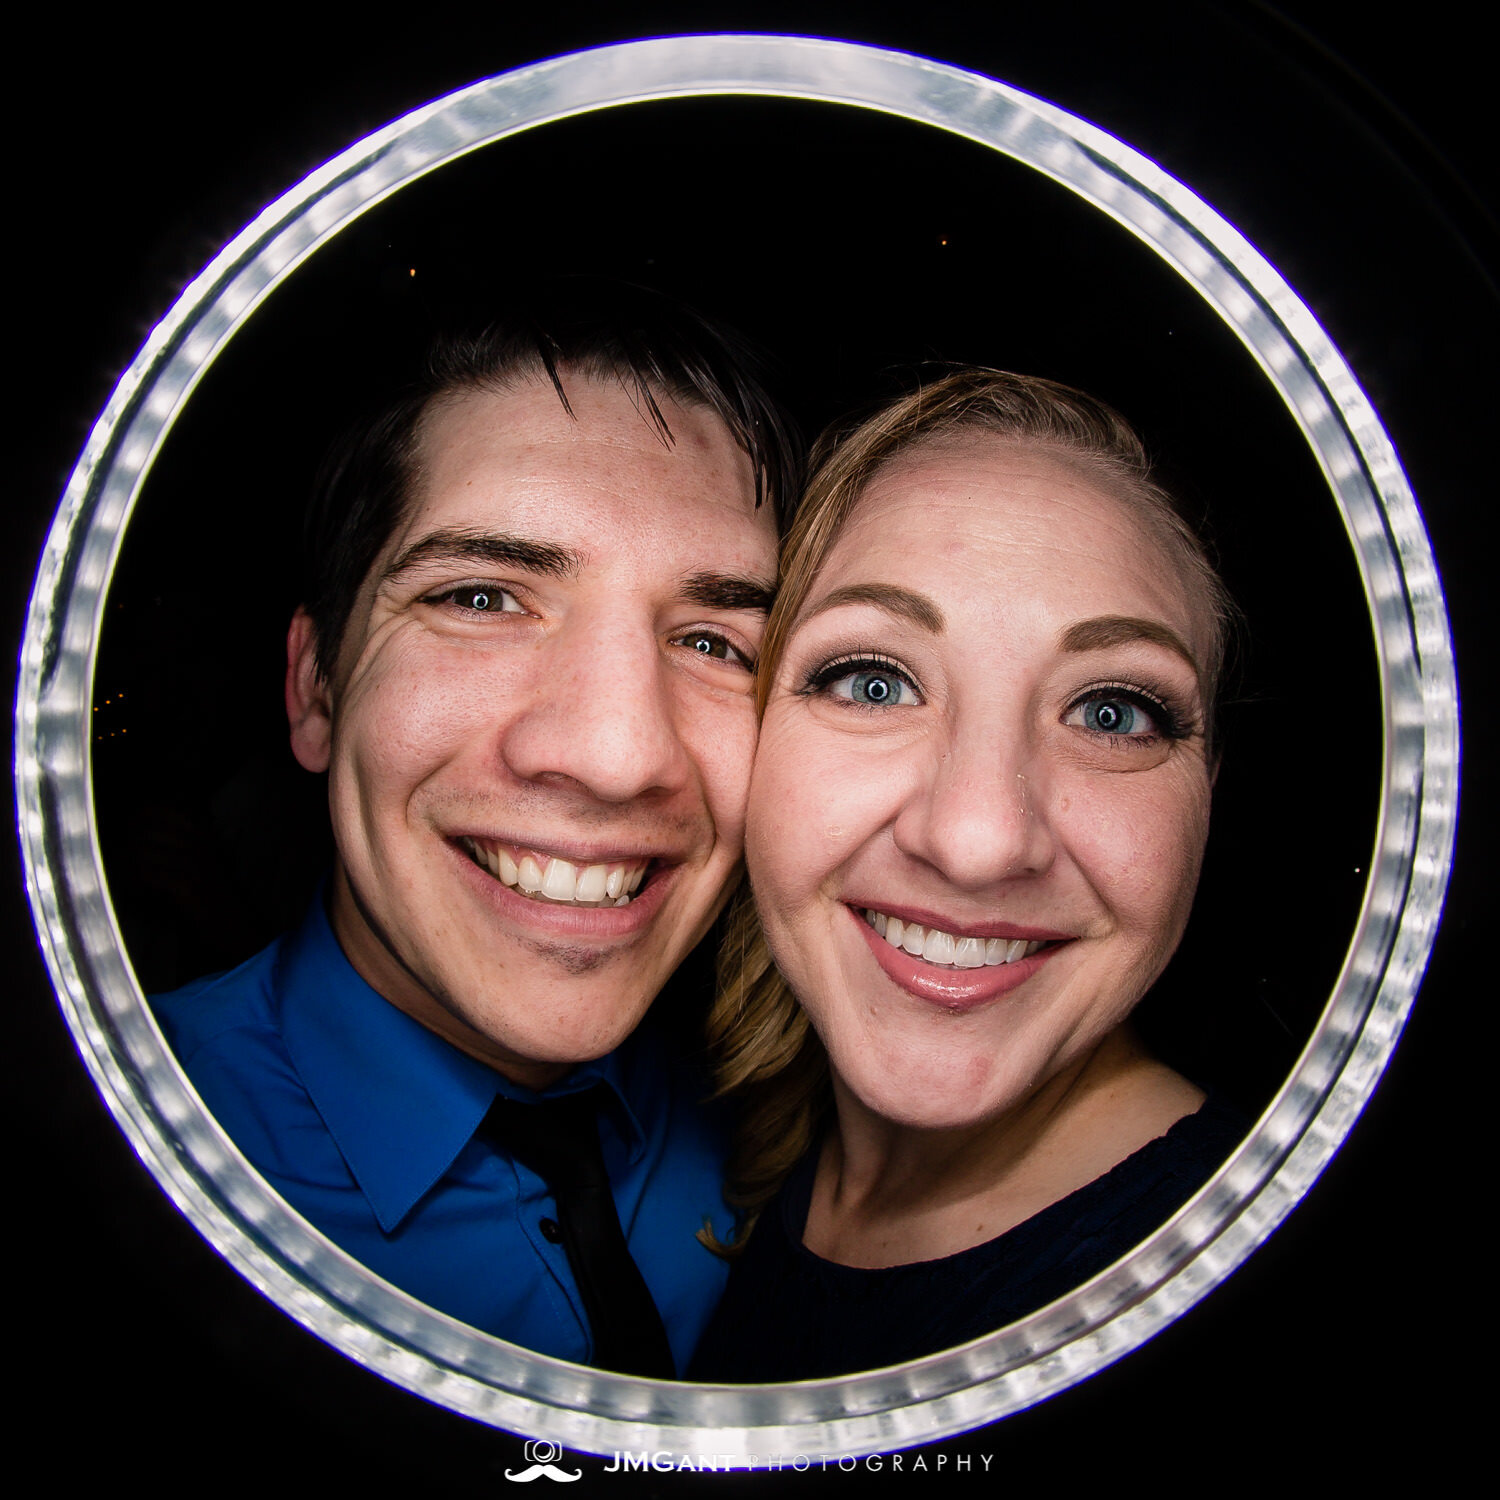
(790, 1315)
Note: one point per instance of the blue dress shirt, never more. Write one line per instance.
(364, 1121)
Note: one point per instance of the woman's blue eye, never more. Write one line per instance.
(866, 681)
(1116, 715)
(873, 689)
(1110, 716)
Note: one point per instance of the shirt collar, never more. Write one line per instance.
(400, 1102)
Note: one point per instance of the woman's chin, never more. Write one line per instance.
(945, 1098)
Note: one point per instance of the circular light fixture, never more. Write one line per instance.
(592, 1410)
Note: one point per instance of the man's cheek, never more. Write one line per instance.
(731, 822)
(725, 757)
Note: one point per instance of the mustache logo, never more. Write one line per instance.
(540, 1457)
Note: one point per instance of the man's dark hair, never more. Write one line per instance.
(595, 330)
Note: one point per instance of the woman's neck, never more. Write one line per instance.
(888, 1194)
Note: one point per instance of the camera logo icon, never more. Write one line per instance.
(542, 1458)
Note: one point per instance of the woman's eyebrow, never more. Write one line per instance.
(891, 597)
(488, 547)
(1119, 630)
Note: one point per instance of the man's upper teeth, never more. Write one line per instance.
(938, 947)
(549, 878)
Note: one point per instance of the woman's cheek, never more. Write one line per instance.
(793, 778)
(1141, 848)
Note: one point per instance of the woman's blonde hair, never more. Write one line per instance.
(765, 1051)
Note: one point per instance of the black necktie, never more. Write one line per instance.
(559, 1140)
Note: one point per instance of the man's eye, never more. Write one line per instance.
(479, 599)
(706, 643)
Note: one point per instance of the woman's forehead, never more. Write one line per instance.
(975, 504)
(995, 467)
(1003, 492)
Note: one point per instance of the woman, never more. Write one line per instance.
(977, 819)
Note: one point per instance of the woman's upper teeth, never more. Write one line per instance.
(938, 947)
(550, 878)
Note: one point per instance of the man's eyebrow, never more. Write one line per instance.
(892, 598)
(729, 591)
(489, 548)
(1119, 630)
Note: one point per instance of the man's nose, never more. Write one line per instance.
(601, 715)
(980, 811)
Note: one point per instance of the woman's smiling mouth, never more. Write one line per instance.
(544, 877)
(946, 950)
(942, 971)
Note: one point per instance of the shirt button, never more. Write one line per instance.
(551, 1231)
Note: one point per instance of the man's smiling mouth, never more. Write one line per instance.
(544, 877)
(945, 949)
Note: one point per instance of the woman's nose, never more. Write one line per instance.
(980, 813)
(601, 715)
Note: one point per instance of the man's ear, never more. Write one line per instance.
(309, 702)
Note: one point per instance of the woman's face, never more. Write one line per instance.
(986, 731)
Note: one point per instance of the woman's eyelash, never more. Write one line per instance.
(1171, 722)
(829, 672)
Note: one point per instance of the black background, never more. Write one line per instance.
(1350, 153)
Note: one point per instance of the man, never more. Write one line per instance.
(536, 589)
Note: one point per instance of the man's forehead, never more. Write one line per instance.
(527, 414)
(582, 478)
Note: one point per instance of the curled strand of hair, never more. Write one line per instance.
(768, 1059)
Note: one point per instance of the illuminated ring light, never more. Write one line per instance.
(591, 1410)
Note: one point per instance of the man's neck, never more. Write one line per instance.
(375, 962)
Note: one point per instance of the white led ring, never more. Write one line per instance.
(592, 1410)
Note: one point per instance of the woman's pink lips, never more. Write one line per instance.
(954, 989)
(1010, 931)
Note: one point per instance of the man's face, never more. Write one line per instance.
(540, 730)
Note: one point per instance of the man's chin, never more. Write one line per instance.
(573, 960)
(544, 1031)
